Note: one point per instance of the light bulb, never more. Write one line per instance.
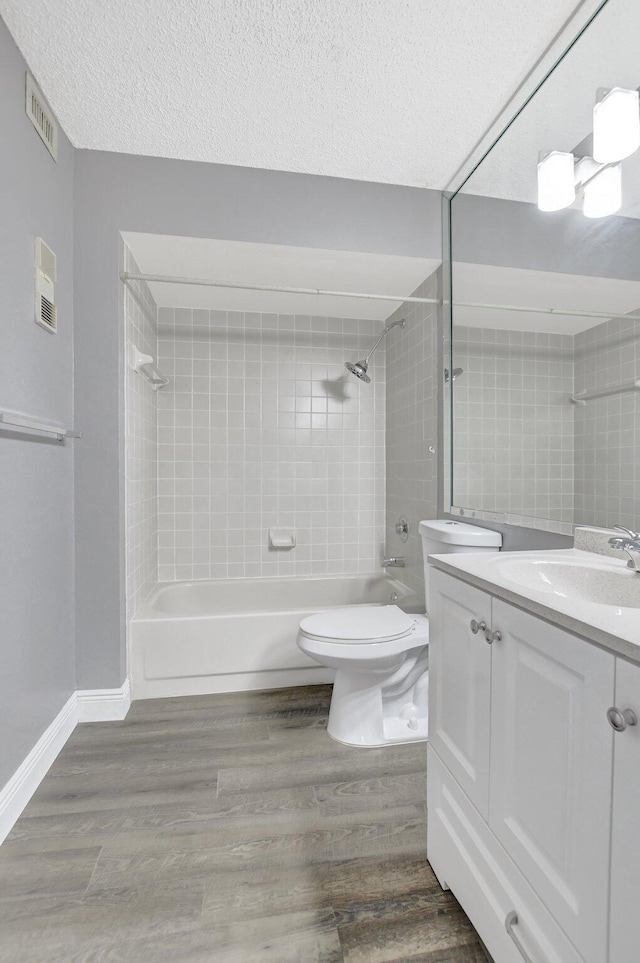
(603, 193)
(556, 181)
(616, 125)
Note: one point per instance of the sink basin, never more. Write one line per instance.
(619, 587)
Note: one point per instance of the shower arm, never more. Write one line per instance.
(385, 331)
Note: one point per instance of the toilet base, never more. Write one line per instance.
(369, 712)
(395, 734)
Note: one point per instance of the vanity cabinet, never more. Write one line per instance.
(551, 757)
(459, 704)
(523, 792)
(625, 836)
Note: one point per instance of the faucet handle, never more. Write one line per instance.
(627, 531)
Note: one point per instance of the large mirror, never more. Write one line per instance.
(545, 341)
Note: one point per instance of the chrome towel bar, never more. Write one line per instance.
(20, 421)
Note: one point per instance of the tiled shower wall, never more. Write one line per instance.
(411, 419)
(141, 470)
(262, 426)
(513, 426)
(607, 456)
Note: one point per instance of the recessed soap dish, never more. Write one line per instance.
(282, 538)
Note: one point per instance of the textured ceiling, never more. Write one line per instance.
(395, 91)
(278, 265)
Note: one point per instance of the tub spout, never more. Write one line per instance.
(394, 562)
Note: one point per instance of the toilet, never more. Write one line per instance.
(380, 653)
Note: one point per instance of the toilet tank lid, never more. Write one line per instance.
(459, 533)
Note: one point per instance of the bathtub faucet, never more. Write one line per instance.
(393, 562)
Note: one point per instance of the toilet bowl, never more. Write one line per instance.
(380, 653)
(380, 656)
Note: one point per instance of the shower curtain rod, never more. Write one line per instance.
(399, 298)
(202, 282)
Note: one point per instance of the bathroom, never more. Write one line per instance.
(212, 521)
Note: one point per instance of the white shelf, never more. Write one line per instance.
(145, 365)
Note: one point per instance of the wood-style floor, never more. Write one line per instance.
(227, 829)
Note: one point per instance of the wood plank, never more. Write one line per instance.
(108, 822)
(62, 925)
(376, 793)
(318, 885)
(319, 763)
(279, 843)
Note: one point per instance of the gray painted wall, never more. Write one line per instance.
(486, 230)
(116, 192)
(36, 475)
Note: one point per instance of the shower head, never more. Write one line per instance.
(359, 368)
(455, 374)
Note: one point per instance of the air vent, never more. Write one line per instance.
(40, 117)
(48, 314)
(46, 275)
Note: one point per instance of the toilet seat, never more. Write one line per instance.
(359, 625)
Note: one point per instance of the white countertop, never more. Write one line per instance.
(615, 628)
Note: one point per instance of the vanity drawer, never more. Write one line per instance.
(463, 853)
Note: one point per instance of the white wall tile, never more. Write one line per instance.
(411, 427)
(262, 426)
(607, 458)
(513, 423)
(141, 465)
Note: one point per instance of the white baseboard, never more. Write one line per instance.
(104, 705)
(86, 705)
(15, 795)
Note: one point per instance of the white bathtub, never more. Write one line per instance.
(191, 638)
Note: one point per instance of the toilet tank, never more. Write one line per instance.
(444, 537)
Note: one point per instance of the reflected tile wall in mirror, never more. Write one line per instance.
(513, 422)
(607, 454)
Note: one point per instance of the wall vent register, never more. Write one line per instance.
(41, 117)
(46, 314)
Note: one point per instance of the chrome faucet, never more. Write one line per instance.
(399, 562)
(629, 544)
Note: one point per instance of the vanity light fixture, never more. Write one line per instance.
(616, 135)
(556, 181)
(616, 125)
(603, 192)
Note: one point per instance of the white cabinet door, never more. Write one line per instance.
(551, 769)
(460, 684)
(625, 853)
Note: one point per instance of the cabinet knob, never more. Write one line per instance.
(492, 636)
(477, 626)
(619, 719)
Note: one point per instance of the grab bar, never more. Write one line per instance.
(19, 421)
(581, 397)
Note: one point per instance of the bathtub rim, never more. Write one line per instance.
(147, 613)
